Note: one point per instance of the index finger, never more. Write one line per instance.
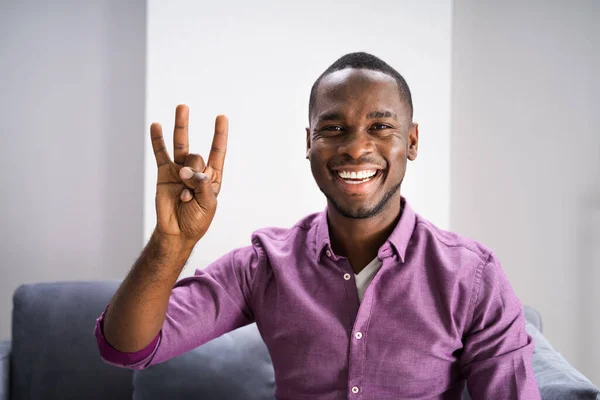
(216, 158)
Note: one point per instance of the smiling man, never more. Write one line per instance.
(366, 300)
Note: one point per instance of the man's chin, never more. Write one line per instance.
(358, 214)
(356, 211)
(361, 208)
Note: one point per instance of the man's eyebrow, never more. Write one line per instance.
(332, 116)
(381, 114)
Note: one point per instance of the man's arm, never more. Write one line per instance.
(214, 301)
(137, 310)
(496, 360)
(186, 202)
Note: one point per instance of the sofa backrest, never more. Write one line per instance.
(55, 356)
(234, 366)
(54, 352)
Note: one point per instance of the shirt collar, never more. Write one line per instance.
(399, 238)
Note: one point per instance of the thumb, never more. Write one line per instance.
(198, 183)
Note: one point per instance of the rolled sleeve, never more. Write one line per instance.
(112, 356)
(213, 301)
(497, 355)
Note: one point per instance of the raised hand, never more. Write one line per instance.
(186, 187)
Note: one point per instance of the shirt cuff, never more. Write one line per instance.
(118, 358)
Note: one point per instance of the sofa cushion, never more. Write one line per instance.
(54, 353)
(556, 378)
(233, 366)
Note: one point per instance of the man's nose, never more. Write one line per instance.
(357, 144)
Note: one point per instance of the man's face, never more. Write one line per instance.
(359, 139)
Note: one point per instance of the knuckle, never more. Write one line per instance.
(193, 157)
(180, 146)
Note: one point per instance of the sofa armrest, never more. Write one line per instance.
(534, 317)
(556, 378)
(5, 347)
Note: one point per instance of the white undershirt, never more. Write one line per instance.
(364, 277)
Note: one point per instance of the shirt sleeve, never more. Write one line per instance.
(213, 301)
(497, 353)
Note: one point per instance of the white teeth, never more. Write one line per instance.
(354, 175)
(355, 178)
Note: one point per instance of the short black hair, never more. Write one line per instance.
(361, 60)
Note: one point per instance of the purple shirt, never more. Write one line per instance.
(439, 311)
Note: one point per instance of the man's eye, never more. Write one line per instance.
(380, 126)
(332, 128)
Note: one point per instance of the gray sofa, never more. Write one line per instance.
(53, 355)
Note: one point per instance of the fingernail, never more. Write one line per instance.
(186, 173)
(202, 176)
(186, 195)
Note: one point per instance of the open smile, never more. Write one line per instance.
(357, 181)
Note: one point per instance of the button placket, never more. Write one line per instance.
(358, 347)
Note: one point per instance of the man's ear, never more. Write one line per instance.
(307, 142)
(413, 141)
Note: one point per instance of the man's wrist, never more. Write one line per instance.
(172, 246)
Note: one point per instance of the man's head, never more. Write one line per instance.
(360, 134)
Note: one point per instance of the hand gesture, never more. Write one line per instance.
(186, 187)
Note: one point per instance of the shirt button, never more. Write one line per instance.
(355, 389)
(358, 335)
(328, 253)
(347, 277)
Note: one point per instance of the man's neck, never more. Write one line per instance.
(360, 239)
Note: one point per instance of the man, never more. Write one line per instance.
(366, 300)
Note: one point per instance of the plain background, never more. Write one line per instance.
(256, 64)
(525, 169)
(506, 96)
(72, 90)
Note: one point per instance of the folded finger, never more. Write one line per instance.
(191, 179)
(195, 162)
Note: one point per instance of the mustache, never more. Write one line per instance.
(347, 160)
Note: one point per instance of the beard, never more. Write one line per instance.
(364, 212)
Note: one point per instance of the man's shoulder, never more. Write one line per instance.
(302, 229)
(450, 241)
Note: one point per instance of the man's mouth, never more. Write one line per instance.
(357, 177)
(357, 181)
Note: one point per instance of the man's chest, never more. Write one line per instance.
(403, 338)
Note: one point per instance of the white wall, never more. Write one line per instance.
(255, 62)
(525, 163)
(71, 157)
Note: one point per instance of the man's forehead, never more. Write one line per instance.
(354, 86)
(350, 84)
